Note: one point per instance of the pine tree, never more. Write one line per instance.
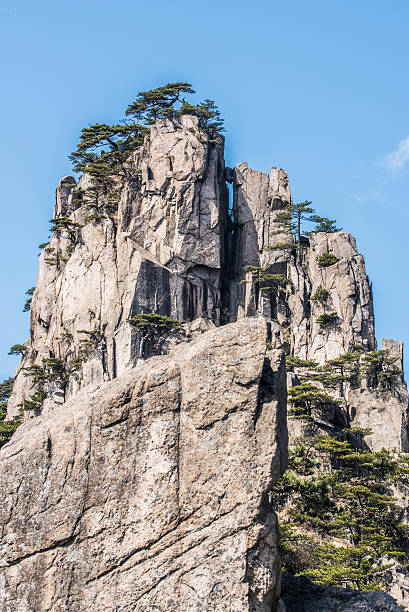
(306, 398)
(7, 428)
(155, 104)
(17, 349)
(300, 211)
(323, 224)
(339, 516)
(104, 150)
(27, 305)
(155, 329)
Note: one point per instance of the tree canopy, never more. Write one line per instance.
(343, 517)
(103, 149)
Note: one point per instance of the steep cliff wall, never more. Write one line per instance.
(173, 247)
(262, 242)
(150, 492)
(143, 477)
(161, 251)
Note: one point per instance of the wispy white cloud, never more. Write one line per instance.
(398, 159)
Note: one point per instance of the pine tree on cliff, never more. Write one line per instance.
(323, 224)
(7, 428)
(159, 103)
(155, 104)
(300, 211)
(104, 149)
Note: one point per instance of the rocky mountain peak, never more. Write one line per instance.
(154, 387)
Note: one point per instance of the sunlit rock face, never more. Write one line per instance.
(150, 492)
(143, 481)
(163, 251)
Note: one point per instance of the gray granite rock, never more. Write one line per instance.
(163, 251)
(301, 595)
(149, 492)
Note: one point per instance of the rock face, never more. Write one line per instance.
(396, 576)
(173, 248)
(383, 411)
(294, 314)
(144, 482)
(302, 595)
(163, 251)
(150, 492)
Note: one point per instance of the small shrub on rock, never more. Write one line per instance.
(327, 259)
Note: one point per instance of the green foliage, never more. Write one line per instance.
(7, 428)
(378, 366)
(35, 403)
(155, 104)
(307, 398)
(6, 388)
(280, 246)
(357, 348)
(339, 516)
(52, 370)
(55, 370)
(300, 211)
(154, 330)
(254, 269)
(358, 431)
(60, 224)
(347, 365)
(323, 224)
(154, 322)
(159, 103)
(208, 115)
(327, 259)
(92, 339)
(17, 349)
(27, 305)
(321, 294)
(269, 282)
(36, 373)
(344, 361)
(93, 218)
(327, 378)
(104, 150)
(292, 217)
(292, 362)
(55, 257)
(273, 280)
(327, 318)
(284, 217)
(43, 245)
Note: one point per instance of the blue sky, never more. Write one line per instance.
(318, 88)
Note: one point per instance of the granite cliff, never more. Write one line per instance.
(141, 479)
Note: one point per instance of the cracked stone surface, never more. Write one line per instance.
(143, 486)
(163, 252)
(149, 492)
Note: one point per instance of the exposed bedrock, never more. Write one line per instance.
(150, 492)
(145, 482)
(162, 251)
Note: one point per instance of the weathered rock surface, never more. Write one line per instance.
(302, 595)
(172, 249)
(141, 483)
(350, 297)
(396, 577)
(292, 312)
(150, 492)
(163, 251)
